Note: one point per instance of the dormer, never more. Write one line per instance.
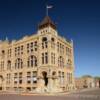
(47, 26)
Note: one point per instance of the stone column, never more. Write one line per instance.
(40, 87)
(50, 84)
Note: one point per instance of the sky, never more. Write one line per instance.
(75, 19)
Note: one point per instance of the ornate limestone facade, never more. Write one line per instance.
(43, 62)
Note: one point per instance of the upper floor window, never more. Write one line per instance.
(60, 47)
(68, 51)
(15, 78)
(19, 50)
(44, 42)
(32, 61)
(44, 58)
(28, 48)
(69, 62)
(53, 58)
(9, 52)
(60, 61)
(8, 78)
(52, 43)
(3, 53)
(69, 78)
(18, 63)
(35, 45)
(1, 65)
(32, 46)
(22, 47)
(9, 65)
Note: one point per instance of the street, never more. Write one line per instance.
(92, 94)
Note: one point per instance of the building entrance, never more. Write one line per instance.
(45, 78)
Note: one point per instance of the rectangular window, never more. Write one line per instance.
(28, 48)
(28, 77)
(15, 51)
(42, 58)
(46, 58)
(46, 44)
(28, 63)
(35, 45)
(22, 49)
(53, 58)
(31, 46)
(58, 46)
(15, 78)
(34, 77)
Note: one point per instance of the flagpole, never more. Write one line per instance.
(46, 10)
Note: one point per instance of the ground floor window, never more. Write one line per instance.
(0, 88)
(28, 88)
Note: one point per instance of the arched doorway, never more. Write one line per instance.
(45, 78)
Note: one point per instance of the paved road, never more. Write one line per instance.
(90, 94)
(93, 94)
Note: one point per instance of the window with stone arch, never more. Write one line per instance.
(60, 61)
(69, 62)
(52, 42)
(53, 73)
(18, 63)
(8, 65)
(32, 61)
(44, 42)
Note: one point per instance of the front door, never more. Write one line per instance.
(45, 78)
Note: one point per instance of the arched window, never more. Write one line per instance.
(9, 65)
(60, 61)
(32, 61)
(3, 53)
(45, 58)
(18, 63)
(52, 43)
(44, 42)
(69, 62)
(54, 74)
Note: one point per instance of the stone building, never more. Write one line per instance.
(97, 82)
(79, 84)
(84, 82)
(42, 62)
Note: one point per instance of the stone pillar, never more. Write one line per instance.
(50, 84)
(40, 87)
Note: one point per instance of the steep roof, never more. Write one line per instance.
(47, 22)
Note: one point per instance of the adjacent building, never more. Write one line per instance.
(87, 81)
(97, 82)
(42, 62)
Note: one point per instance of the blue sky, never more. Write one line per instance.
(76, 19)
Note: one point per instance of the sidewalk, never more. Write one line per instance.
(48, 93)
